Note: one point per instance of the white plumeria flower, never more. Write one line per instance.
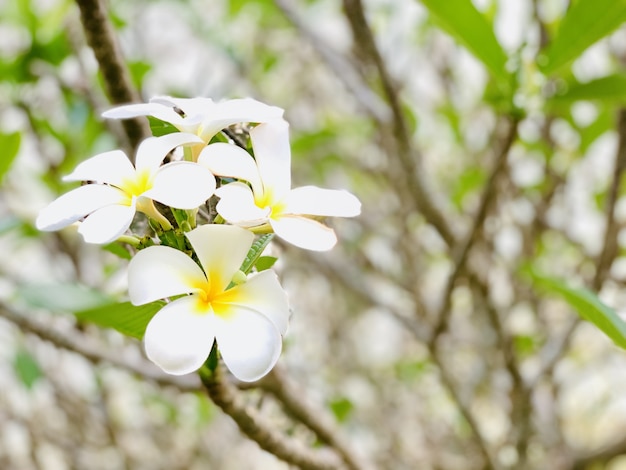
(269, 197)
(247, 320)
(122, 189)
(200, 116)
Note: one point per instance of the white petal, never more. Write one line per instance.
(227, 113)
(153, 150)
(272, 152)
(194, 109)
(232, 161)
(262, 292)
(249, 343)
(304, 233)
(107, 224)
(183, 185)
(221, 249)
(237, 206)
(311, 200)
(110, 167)
(76, 204)
(158, 272)
(159, 111)
(178, 339)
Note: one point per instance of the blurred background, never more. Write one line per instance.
(477, 158)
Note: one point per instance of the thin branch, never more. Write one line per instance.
(341, 66)
(290, 398)
(463, 249)
(85, 346)
(250, 423)
(409, 177)
(555, 350)
(117, 83)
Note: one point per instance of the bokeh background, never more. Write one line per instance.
(421, 334)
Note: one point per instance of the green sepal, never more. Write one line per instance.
(185, 219)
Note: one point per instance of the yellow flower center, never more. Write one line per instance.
(267, 200)
(210, 300)
(138, 185)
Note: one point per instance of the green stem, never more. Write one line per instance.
(129, 239)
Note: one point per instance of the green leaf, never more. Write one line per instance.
(118, 250)
(588, 306)
(265, 262)
(586, 22)
(10, 145)
(341, 408)
(61, 298)
(26, 368)
(467, 25)
(611, 89)
(160, 128)
(255, 252)
(124, 317)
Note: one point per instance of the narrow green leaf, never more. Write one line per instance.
(61, 298)
(588, 306)
(467, 25)
(265, 262)
(586, 22)
(255, 252)
(26, 368)
(611, 89)
(124, 317)
(10, 146)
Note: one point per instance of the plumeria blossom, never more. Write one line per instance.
(200, 116)
(247, 320)
(121, 189)
(269, 199)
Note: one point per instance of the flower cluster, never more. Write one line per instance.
(189, 256)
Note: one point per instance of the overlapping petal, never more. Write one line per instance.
(200, 116)
(221, 249)
(262, 292)
(249, 342)
(76, 204)
(183, 185)
(158, 272)
(237, 206)
(272, 153)
(112, 167)
(107, 224)
(152, 151)
(178, 339)
(231, 161)
(304, 233)
(311, 200)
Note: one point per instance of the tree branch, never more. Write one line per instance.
(263, 433)
(117, 83)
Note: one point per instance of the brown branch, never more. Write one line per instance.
(86, 347)
(554, 351)
(340, 65)
(409, 175)
(117, 83)
(463, 249)
(250, 423)
(290, 398)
